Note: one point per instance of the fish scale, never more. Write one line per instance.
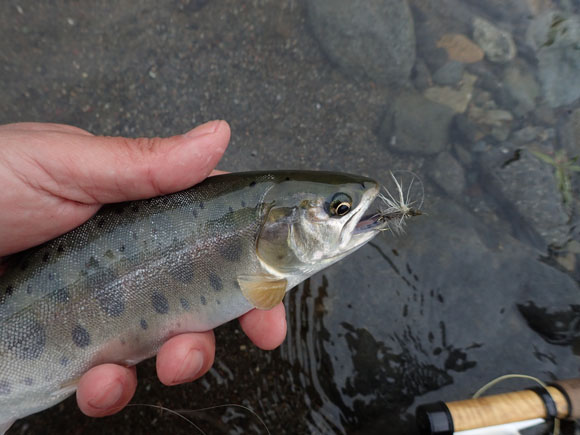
(115, 288)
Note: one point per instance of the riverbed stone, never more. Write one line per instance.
(374, 39)
(556, 37)
(498, 45)
(449, 74)
(529, 188)
(448, 174)
(417, 125)
(455, 98)
(460, 48)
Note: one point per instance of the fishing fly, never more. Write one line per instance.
(397, 208)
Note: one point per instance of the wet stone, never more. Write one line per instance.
(25, 339)
(80, 336)
(160, 303)
(215, 282)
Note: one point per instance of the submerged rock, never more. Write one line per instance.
(456, 99)
(460, 48)
(528, 187)
(366, 38)
(415, 124)
(556, 39)
(522, 86)
(497, 44)
(448, 174)
(449, 74)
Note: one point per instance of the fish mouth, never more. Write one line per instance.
(370, 222)
(392, 217)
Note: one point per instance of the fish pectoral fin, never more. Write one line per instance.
(66, 389)
(263, 291)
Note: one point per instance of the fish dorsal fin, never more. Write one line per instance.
(263, 291)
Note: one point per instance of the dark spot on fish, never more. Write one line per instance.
(144, 324)
(93, 262)
(122, 248)
(62, 295)
(287, 179)
(9, 290)
(215, 282)
(29, 289)
(201, 205)
(28, 381)
(252, 184)
(100, 223)
(134, 235)
(232, 249)
(26, 340)
(194, 212)
(160, 303)
(184, 304)
(111, 298)
(50, 276)
(80, 336)
(243, 203)
(109, 254)
(46, 257)
(5, 388)
(203, 301)
(60, 248)
(218, 301)
(64, 361)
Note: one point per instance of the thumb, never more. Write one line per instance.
(99, 170)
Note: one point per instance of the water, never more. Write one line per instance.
(485, 283)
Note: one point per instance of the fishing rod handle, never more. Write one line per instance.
(560, 399)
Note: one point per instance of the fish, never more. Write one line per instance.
(114, 289)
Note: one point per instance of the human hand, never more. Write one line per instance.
(54, 177)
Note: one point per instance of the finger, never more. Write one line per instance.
(98, 170)
(266, 329)
(185, 357)
(106, 389)
(44, 126)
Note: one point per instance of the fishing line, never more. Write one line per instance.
(499, 379)
(180, 413)
(171, 411)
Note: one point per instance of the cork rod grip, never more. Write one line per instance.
(504, 408)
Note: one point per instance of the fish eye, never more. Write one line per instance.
(340, 205)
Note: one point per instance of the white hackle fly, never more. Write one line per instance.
(398, 207)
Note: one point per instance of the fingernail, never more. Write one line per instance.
(108, 398)
(190, 367)
(204, 129)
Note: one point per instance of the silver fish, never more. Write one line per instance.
(117, 287)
